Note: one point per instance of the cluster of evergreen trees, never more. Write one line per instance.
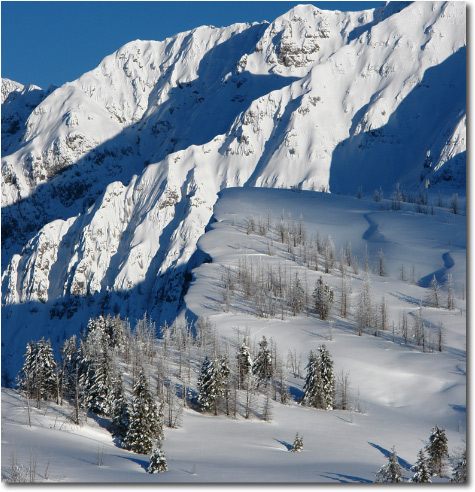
(225, 386)
(431, 461)
(88, 376)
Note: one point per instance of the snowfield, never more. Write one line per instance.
(398, 392)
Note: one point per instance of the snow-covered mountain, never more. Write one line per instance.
(109, 181)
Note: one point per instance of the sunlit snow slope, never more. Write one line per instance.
(397, 390)
(110, 180)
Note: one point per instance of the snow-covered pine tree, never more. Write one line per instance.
(437, 451)
(69, 352)
(86, 372)
(244, 365)
(391, 472)
(144, 420)
(262, 367)
(208, 386)
(459, 474)
(101, 388)
(158, 461)
(116, 330)
(296, 296)
(26, 376)
(297, 446)
(71, 375)
(327, 379)
(421, 469)
(324, 298)
(48, 369)
(38, 375)
(311, 396)
(120, 415)
(96, 336)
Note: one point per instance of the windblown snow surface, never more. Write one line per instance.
(110, 181)
(398, 392)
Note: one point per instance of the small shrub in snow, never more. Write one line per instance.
(391, 472)
(297, 446)
(421, 469)
(158, 462)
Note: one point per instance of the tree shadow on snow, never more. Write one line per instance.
(458, 408)
(387, 453)
(103, 422)
(143, 463)
(284, 443)
(349, 479)
(296, 393)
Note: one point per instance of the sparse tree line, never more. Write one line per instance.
(419, 200)
(432, 461)
(273, 290)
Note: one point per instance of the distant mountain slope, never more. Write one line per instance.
(115, 175)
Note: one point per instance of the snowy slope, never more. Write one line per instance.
(117, 173)
(398, 392)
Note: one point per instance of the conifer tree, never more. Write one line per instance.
(244, 363)
(69, 355)
(120, 416)
(421, 469)
(319, 388)
(144, 419)
(327, 379)
(438, 451)
(297, 446)
(312, 387)
(459, 474)
(38, 375)
(324, 298)
(101, 388)
(297, 296)
(262, 367)
(364, 314)
(391, 472)
(158, 461)
(208, 386)
(26, 376)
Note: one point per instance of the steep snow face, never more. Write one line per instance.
(17, 103)
(80, 116)
(117, 172)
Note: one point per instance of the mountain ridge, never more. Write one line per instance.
(118, 172)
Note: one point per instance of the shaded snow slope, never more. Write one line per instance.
(117, 173)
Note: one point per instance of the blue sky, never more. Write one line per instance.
(47, 43)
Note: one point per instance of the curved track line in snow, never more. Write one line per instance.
(372, 233)
(440, 275)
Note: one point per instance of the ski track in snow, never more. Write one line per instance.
(372, 233)
(441, 274)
